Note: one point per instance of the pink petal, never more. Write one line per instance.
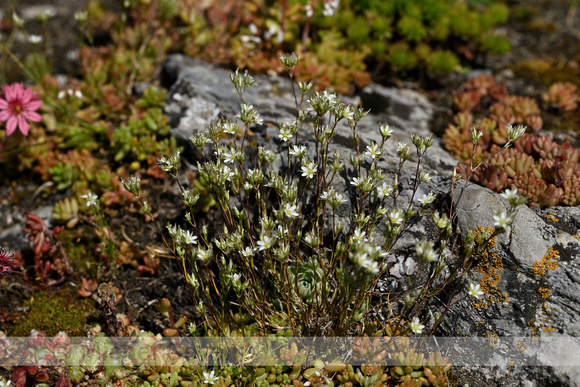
(4, 114)
(33, 105)
(26, 95)
(3, 104)
(23, 125)
(32, 116)
(11, 125)
(13, 92)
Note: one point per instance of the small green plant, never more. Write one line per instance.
(285, 260)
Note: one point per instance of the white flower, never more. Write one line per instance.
(402, 147)
(386, 131)
(290, 210)
(427, 199)
(229, 157)
(515, 132)
(189, 238)
(359, 236)
(425, 251)
(210, 377)
(366, 262)
(474, 290)
(35, 39)
(309, 169)
(266, 242)
(510, 194)
(423, 176)
(308, 10)
(373, 151)
(330, 7)
(247, 252)
(5, 384)
(298, 151)
(385, 190)
(91, 199)
(231, 127)
(285, 133)
(416, 326)
(503, 219)
(396, 216)
(227, 173)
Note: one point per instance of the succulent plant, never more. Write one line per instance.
(66, 211)
(563, 96)
(544, 171)
(49, 255)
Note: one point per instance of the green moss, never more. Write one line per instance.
(79, 249)
(53, 313)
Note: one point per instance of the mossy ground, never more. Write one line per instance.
(53, 313)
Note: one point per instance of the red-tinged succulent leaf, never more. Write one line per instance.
(466, 100)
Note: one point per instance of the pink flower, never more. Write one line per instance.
(17, 106)
(7, 264)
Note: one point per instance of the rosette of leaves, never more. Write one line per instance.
(562, 96)
(66, 211)
(306, 277)
(147, 131)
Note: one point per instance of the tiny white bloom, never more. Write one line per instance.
(474, 290)
(35, 39)
(401, 147)
(266, 242)
(510, 194)
(385, 190)
(427, 199)
(386, 131)
(416, 326)
(298, 151)
(373, 150)
(229, 157)
(503, 219)
(189, 238)
(309, 169)
(210, 377)
(359, 236)
(91, 199)
(290, 210)
(396, 216)
(247, 252)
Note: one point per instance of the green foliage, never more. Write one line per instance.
(442, 62)
(52, 314)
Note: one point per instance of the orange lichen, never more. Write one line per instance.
(552, 217)
(544, 292)
(535, 330)
(490, 265)
(547, 263)
(493, 338)
(520, 345)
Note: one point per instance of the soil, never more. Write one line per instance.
(542, 32)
